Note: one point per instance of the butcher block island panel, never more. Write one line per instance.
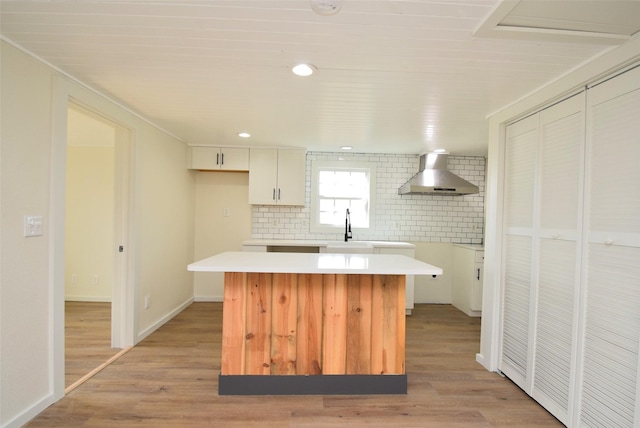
(313, 323)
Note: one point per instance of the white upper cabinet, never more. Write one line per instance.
(277, 176)
(219, 158)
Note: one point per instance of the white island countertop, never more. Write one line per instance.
(376, 264)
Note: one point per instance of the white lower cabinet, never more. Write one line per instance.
(410, 282)
(468, 265)
(571, 256)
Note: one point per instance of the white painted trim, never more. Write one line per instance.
(316, 166)
(122, 331)
(31, 412)
(159, 323)
(122, 299)
(57, 236)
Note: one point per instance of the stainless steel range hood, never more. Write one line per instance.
(434, 178)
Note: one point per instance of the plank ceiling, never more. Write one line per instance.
(392, 76)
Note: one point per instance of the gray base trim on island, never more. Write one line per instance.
(311, 385)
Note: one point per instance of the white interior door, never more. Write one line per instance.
(610, 374)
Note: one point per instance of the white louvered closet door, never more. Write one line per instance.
(610, 365)
(521, 157)
(558, 270)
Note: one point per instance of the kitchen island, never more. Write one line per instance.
(299, 323)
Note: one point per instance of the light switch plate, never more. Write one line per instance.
(32, 225)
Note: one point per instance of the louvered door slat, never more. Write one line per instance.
(554, 328)
(611, 336)
(610, 362)
(562, 142)
(521, 152)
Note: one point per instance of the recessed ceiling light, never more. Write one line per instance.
(440, 151)
(244, 135)
(303, 70)
(346, 147)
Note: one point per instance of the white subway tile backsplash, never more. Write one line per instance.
(416, 218)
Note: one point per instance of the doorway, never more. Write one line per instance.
(95, 229)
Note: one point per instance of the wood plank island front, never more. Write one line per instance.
(296, 323)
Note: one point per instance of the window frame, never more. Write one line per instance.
(321, 165)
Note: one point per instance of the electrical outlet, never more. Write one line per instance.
(147, 301)
(226, 212)
(95, 279)
(32, 225)
(74, 278)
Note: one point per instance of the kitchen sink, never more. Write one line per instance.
(351, 247)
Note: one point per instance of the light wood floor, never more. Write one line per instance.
(170, 380)
(87, 338)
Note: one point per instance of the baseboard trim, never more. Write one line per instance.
(162, 321)
(33, 411)
(480, 360)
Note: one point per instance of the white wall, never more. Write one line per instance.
(421, 218)
(34, 101)
(89, 230)
(215, 232)
(25, 172)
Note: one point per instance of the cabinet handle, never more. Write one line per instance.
(222, 159)
(478, 277)
(217, 158)
(278, 193)
(274, 194)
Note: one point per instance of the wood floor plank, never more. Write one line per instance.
(170, 380)
(87, 338)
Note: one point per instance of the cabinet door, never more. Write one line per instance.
(263, 176)
(291, 177)
(205, 158)
(234, 159)
(610, 374)
(219, 158)
(476, 288)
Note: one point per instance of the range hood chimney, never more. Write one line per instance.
(434, 178)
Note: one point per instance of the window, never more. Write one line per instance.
(338, 186)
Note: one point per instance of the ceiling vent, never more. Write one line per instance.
(604, 22)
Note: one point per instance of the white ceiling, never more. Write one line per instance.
(393, 76)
